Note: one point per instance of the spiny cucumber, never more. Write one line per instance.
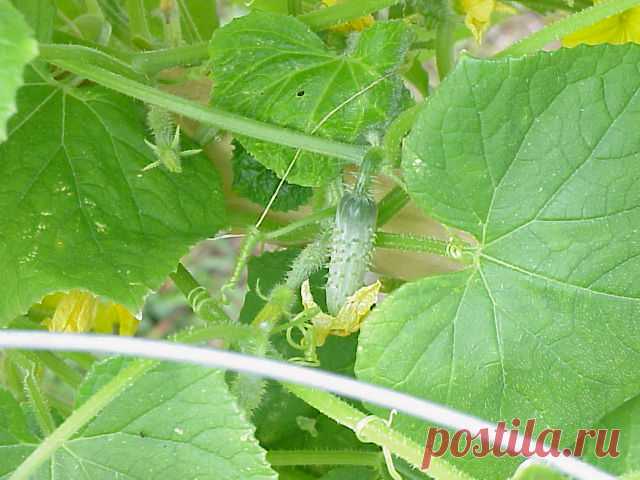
(352, 238)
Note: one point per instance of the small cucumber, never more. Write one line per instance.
(352, 245)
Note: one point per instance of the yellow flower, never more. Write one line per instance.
(348, 319)
(78, 311)
(356, 25)
(478, 14)
(618, 29)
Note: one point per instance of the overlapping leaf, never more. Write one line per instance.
(539, 159)
(273, 68)
(77, 212)
(177, 421)
(17, 48)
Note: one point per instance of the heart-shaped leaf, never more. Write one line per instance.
(77, 211)
(539, 159)
(273, 68)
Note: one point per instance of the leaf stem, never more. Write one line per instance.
(91, 56)
(293, 226)
(572, 23)
(412, 243)
(64, 372)
(323, 18)
(157, 60)
(376, 432)
(291, 458)
(445, 45)
(38, 402)
(391, 203)
(198, 297)
(214, 116)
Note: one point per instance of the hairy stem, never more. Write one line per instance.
(211, 115)
(324, 18)
(392, 203)
(374, 431)
(412, 243)
(157, 60)
(568, 25)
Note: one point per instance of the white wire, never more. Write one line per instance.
(276, 370)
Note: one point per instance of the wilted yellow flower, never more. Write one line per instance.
(478, 14)
(618, 29)
(356, 25)
(348, 319)
(78, 311)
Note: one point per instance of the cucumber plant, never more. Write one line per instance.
(335, 148)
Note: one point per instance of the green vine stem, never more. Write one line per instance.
(63, 371)
(391, 204)
(396, 132)
(203, 305)
(183, 56)
(292, 458)
(568, 25)
(211, 115)
(414, 243)
(38, 402)
(103, 397)
(377, 432)
(91, 56)
(299, 224)
(324, 18)
(445, 45)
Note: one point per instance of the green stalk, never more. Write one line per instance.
(91, 56)
(63, 371)
(291, 458)
(392, 203)
(399, 128)
(213, 116)
(412, 243)
(445, 46)
(157, 60)
(38, 402)
(377, 432)
(303, 222)
(324, 18)
(199, 298)
(567, 26)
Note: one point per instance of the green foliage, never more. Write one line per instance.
(18, 48)
(257, 183)
(165, 416)
(296, 82)
(79, 212)
(529, 162)
(545, 181)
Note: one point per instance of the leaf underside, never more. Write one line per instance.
(539, 159)
(77, 210)
(273, 68)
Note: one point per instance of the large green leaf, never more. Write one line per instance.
(77, 212)
(177, 421)
(17, 48)
(539, 159)
(273, 68)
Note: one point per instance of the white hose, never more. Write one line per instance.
(276, 370)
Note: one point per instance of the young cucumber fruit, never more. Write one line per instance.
(351, 246)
